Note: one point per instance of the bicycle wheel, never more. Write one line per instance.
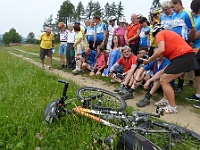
(170, 136)
(98, 98)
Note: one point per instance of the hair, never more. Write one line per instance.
(125, 48)
(47, 28)
(101, 50)
(143, 48)
(119, 42)
(142, 20)
(97, 17)
(77, 28)
(166, 4)
(195, 6)
(176, 1)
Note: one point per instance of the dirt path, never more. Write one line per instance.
(185, 117)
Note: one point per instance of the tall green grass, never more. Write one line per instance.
(25, 91)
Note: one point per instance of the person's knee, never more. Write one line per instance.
(84, 65)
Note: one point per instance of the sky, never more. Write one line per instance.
(29, 15)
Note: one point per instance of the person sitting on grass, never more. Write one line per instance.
(143, 51)
(85, 60)
(100, 62)
(114, 56)
(128, 61)
(142, 75)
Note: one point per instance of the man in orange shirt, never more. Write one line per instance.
(182, 57)
(132, 34)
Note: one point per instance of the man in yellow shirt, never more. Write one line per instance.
(46, 44)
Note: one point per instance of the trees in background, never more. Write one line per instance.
(11, 37)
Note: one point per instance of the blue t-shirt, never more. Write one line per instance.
(99, 29)
(196, 43)
(91, 59)
(154, 67)
(90, 33)
(166, 21)
(144, 36)
(182, 22)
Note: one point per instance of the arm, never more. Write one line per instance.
(191, 35)
(157, 52)
(135, 36)
(114, 67)
(197, 35)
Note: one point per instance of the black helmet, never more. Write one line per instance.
(157, 28)
(50, 112)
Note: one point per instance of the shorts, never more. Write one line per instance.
(184, 63)
(45, 52)
(78, 50)
(62, 49)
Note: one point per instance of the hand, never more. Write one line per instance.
(145, 61)
(146, 85)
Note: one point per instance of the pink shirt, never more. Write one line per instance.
(120, 33)
(101, 60)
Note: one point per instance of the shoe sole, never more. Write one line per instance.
(127, 98)
(190, 99)
(196, 106)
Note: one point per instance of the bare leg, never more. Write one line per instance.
(198, 84)
(168, 91)
(50, 61)
(42, 61)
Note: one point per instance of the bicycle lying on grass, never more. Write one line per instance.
(139, 131)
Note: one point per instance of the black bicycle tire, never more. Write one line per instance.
(175, 130)
(179, 129)
(121, 101)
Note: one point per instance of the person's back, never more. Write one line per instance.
(174, 44)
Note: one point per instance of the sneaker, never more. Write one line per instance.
(197, 105)
(123, 91)
(162, 102)
(61, 67)
(112, 81)
(169, 109)
(76, 72)
(193, 98)
(190, 83)
(127, 95)
(178, 90)
(144, 102)
(119, 89)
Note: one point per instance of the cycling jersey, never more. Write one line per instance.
(100, 29)
(166, 21)
(174, 44)
(90, 33)
(196, 43)
(144, 36)
(182, 22)
(63, 37)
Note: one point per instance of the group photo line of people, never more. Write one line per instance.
(150, 52)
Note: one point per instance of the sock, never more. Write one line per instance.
(197, 95)
(180, 83)
(127, 87)
(191, 81)
(148, 96)
(131, 90)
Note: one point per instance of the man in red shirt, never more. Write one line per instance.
(182, 57)
(132, 34)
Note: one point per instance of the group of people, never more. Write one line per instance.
(152, 53)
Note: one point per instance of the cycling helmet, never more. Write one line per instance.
(77, 22)
(122, 19)
(157, 28)
(61, 24)
(112, 18)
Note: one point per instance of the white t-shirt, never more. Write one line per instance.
(111, 31)
(71, 36)
(63, 37)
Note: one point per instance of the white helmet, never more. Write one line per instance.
(122, 19)
(157, 28)
(112, 18)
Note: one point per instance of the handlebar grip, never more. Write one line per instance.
(62, 81)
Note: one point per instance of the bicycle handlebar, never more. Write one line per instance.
(65, 88)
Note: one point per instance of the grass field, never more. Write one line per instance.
(25, 91)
